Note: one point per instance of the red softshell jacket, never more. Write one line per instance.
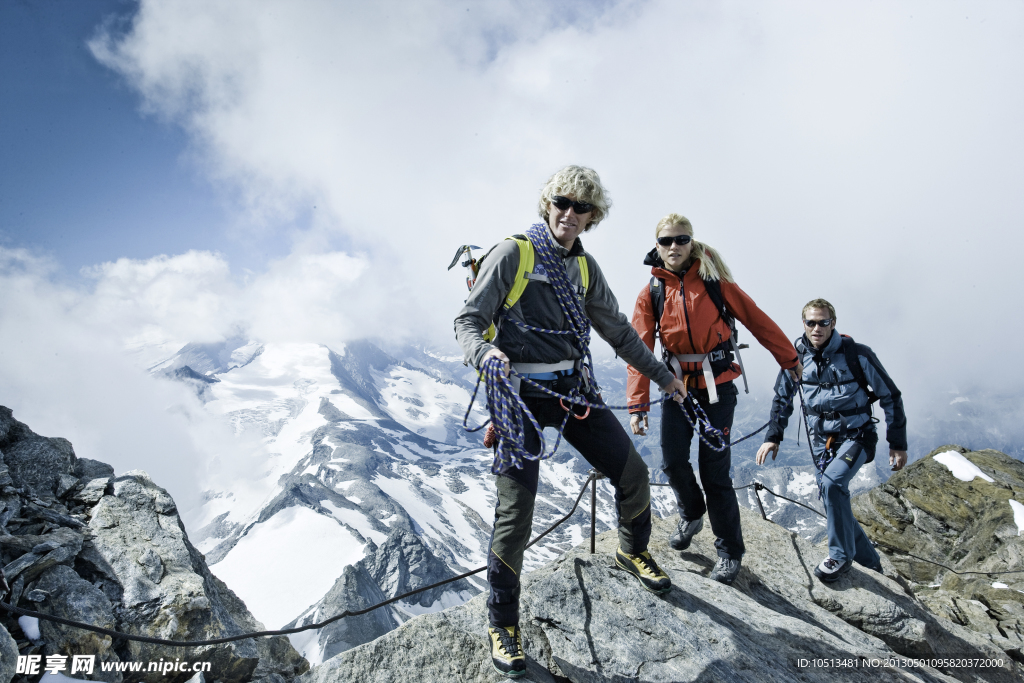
(690, 323)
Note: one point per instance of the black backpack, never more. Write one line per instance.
(850, 351)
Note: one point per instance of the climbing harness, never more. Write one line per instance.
(718, 354)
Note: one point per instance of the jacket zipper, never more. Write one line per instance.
(686, 315)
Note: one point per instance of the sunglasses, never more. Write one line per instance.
(563, 203)
(823, 323)
(678, 239)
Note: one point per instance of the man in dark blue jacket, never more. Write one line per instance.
(838, 398)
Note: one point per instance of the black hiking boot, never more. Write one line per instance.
(830, 570)
(507, 650)
(725, 571)
(685, 532)
(646, 571)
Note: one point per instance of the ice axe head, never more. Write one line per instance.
(464, 249)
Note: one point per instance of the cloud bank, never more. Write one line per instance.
(868, 153)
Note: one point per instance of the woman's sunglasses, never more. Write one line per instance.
(678, 239)
(563, 204)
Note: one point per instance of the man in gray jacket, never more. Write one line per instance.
(572, 202)
(837, 377)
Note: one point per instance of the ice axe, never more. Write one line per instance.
(471, 264)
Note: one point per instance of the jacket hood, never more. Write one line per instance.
(653, 258)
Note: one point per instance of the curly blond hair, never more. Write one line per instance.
(582, 183)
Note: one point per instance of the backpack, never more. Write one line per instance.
(850, 351)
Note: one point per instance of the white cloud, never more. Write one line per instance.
(867, 153)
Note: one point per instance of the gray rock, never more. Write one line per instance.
(164, 588)
(87, 469)
(91, 493)
(925, 511)
(37, 462)
(68, 596)
(65, 482)
(401, 564)
(8, 648)
(583, 619)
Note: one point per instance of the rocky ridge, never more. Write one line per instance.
(79, 542)
(585, 620)
(969, 526)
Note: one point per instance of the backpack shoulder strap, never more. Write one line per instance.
(525, 266)
(584, 271)
(850, 351)
(657, 290)
(714, 289)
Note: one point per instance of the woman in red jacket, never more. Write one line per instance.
(696, 344)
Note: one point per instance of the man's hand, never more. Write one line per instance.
(766, 448)
(796, 373)
(634, 423)
(897, 459)
(679, 386)
(496, 353)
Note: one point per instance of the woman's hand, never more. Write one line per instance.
(497, 353)
(766, 448)
(634, 423)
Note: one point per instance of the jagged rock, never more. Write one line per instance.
(60, 546)
(37, 462)
(65, 482)
(404, 563)
(68, 596)
(278, 660)
(87, 470)
(583, 619)
(8, 647)
(401, 564)
(926, 511)
(137, 533)
(93, 491)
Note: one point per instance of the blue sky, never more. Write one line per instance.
(86, 176)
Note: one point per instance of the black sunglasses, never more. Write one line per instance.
(678, 239)
(823, 323)
(563, 203)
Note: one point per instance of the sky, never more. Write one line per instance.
(304, 171)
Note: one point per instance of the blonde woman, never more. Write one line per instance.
(688, 278)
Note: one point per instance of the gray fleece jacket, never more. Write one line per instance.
(539, 307)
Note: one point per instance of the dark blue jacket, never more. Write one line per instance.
(836, 404)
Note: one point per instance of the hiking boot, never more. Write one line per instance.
(830, 570)
(507, 650)
(685, 532)
(646, 571)
(725, 571)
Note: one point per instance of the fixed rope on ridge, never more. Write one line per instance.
(12, 609)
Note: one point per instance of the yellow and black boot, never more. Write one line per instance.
(646, 571)
(507, 655)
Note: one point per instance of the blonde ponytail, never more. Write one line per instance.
(712, 266)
